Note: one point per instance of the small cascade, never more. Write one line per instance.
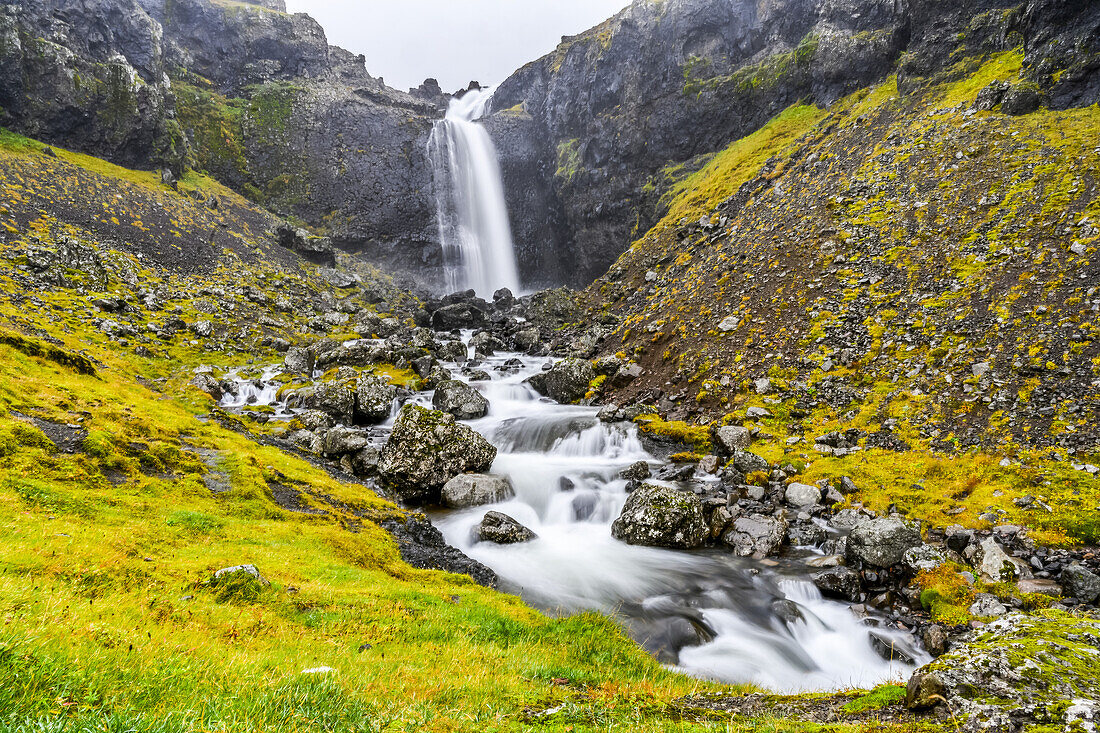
(469, 194)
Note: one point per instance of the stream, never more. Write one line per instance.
(705, 612)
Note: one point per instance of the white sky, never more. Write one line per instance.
(455, 41)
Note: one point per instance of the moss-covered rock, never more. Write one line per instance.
(1017, 672)
(660, 516)
(426, 449)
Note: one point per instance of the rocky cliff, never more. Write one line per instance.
(245, 91)
(621, 112)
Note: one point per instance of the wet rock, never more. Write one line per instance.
(422, 546)
(527, 340)
(426, 449)
(458, 316)
(732, 438)
(486, 344)
(882, 542)
(802, 495)
(806, 534)
(1014, 673)
(476, 489)
(566, 382)
(1080, 583)
(503, 530)
(756, 535)
(839, 582)
(788, 611)
(934, 640)
(659, 516)
(638, 471)
(374, 398)
(454, 351)
(460, 400)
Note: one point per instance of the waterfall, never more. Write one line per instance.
(469, 197)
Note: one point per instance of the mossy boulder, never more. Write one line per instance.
(566, 382)
(426, 449)
(460, 400)
(660, 516)
(1016, 672)
(374, 398)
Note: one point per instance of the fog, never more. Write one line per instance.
(454, 41)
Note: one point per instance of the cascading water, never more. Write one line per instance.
(706, 613)
(469, 196)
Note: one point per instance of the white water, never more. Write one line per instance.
(469, 194)
(564, 464)
(576, 564)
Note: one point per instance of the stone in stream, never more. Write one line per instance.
(882, 542)
(503, 530)
(458, 315)
(453, 351)
(374, 398)
(460, 400)
(334, 399)
(475, 489)
(426, 449)
(756, 535)
(659, 516)
(566, 382)
(839, 582)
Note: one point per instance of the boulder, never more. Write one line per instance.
(637, 471)
(660, 516)
(339, 441)
(566, 382)
(503, 530)
(374, 398)
(756, 535)
(748, 462)
(802, 495)
(298, 360)
(334, 399)
(475, 489)
(246, 569)
(731, 438)
(457, 316)
(426, 449)
(840, 582)
(453, 351)
(923, 557)
(882, 542)
(1016, 673)
(1080, 583)
(993, 564)
(460, 400)
(528, 340)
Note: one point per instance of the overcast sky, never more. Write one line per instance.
(455, 41)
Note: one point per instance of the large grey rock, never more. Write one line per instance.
(334, 399)
(426, 449)
(1080, 583)
(660, 516)
(475, 489)
(731, 438)
(566, 382)
(839, 582)
(340, 440)
(460, 400)
(882, 542)
(503, 530)
(756, 535)
(748, 462)
(374, 398)
(458, 315)
(993, 564)
(802, 495)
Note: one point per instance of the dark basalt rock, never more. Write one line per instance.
(422, 546)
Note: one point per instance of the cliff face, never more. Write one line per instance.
(245, 91)
(620, 112)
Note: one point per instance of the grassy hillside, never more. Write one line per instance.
(123, 490)
(906, 266)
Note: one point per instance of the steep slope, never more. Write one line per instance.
(246, 92)
(667, 81)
